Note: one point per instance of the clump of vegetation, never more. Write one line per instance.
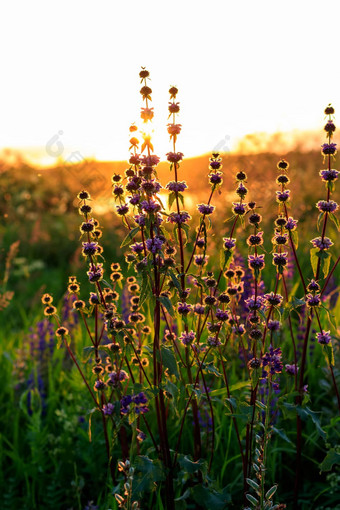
(198, 380)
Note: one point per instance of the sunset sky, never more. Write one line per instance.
(70, 69)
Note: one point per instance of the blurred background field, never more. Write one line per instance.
(39, 229)
(46, 459)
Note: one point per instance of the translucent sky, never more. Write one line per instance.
(244, 66)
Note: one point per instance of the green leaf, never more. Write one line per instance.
(225, 259)
(210, 498)
(130, 236)
(325, 263)
(308, 413)
(147, 473)
(331, 458)
(271, 492)
(175, 281)
(329, 354)
(189, 466)
(252, 500)
(314, 259)
(334, 219)
(145, 287)
(171, 388)
(165, 301)
(319, 220)
(222, 391)
(209, 367)
(171, 199)
(282, 434)
(295, 238)
(253, 484)
(169, 361)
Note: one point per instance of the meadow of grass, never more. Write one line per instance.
(124, 409)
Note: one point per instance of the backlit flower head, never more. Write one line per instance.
(174, 157)
(256, 261)
(324, 337)
(328, 149)
(322, 243)
(205, 209)
(187, 338)
(229, 243)
(327, 206)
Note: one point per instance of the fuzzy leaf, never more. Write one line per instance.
(189, 466)
(165, 301)
(305, 412)
(329, 354)
(171, 199)
(225, 258)
(325, 262)
(252, 500)
(175, 281)
(145, 287)
(331, 458)
(282, 434)
(130, 236)
(222, 391)
(210, 498)
(314, 259)
(319, 220)
(253, 484)
(271, 492)
(169, 361)
(295, 238)
(209, 367)
(334, 219)
(147, 473)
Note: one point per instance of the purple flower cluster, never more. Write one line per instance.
(280, 259)
(155, 244)
(122, 209)
(90, 248)
(272, 360)
(291, 369)
(150, 206)
(215, 178)
(187, 338)
(328, 148)
(256, 261)
(177, 187)
(324, 337)
(283, 196)
(150, 186)
(313, 300)
(95, 273)
(174, 157)
(291, 224)
(221, 315)
(179, 217)
(183, 308)
(322, 243)
(205, 209)
(239, 209)
(273, 299)
(329, 175)
(116, 377)
(229, 243)
(254, 304)
(140, 400)
(108, 409)
(327, 206)
(151, 160)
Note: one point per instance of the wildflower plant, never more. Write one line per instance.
(167, 330)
